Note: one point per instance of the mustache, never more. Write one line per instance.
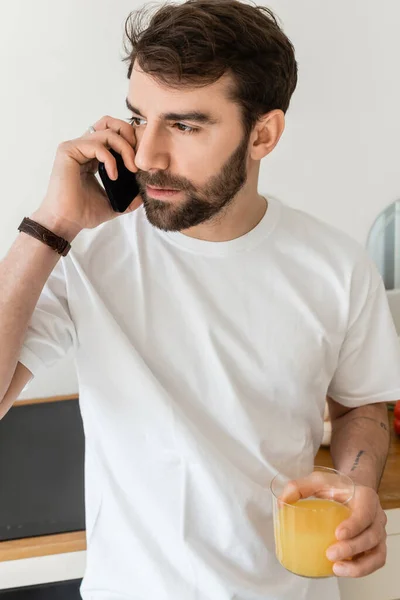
(160, 182)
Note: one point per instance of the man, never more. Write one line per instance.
(209, 323)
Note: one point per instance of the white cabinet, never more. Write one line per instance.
(42, 569)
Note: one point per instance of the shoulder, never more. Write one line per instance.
(326, 248)
(307, 228)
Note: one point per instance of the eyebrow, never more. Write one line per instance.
(195, 115)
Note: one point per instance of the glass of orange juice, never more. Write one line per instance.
(305, 522)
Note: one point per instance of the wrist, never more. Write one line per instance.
(56, 224)
(362, 478)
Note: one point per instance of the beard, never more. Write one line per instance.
(216, 195)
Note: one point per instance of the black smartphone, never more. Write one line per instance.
(123, 190)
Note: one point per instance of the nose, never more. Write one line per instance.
(151, 152)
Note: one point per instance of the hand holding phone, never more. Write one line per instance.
(123, 190)
(74, 193)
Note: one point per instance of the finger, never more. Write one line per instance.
(138, 201)
(363, 515)
(120, 127)
(118, 143)
(83, 152)
(367, 540)
(109, 138)
(363, 565)
(316, 484)
(300, 488)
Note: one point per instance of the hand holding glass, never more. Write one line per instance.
(307, 512)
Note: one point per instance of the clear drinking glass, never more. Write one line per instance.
(305, 528)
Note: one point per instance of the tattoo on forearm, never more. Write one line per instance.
(359, 455)
(384, 426)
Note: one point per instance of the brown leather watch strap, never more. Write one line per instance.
(44, 235)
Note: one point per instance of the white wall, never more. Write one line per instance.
(338, 159)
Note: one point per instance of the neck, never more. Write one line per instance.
(241, 216)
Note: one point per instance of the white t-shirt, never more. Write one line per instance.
(203, 369)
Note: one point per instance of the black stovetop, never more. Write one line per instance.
(41, 470)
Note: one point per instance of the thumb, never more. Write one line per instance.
(138, 201)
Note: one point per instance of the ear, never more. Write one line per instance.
(266, 134)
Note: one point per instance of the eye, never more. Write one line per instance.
(133, 121)
(187, 129)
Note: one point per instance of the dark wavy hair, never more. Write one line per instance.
(193, 44)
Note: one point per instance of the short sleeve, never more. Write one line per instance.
(368, 368)
(51, 332)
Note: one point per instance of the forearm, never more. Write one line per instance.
(360, 443)
(23, 273)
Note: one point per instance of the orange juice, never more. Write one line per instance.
(304, 531)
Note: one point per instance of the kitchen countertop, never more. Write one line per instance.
(389, 494)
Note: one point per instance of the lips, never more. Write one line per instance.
(162, 193)
(153, 187)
